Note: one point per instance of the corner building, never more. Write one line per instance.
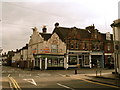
(68, 47)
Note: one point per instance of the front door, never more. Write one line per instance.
(43, 65)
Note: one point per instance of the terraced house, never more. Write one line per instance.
(70, 47)
(66, 48)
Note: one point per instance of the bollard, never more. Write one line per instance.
(96, 73)
(75, 71)
(100, 73)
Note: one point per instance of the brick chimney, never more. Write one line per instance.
(44, 29)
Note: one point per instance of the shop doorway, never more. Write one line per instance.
(97, 61)
(43, 65)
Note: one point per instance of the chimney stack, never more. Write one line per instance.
(44, 29)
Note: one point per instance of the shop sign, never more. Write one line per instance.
(34, 50)
(108, 53)
(46, 50)
(96, 53)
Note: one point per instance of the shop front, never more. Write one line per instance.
(97, 59)
(109, 61)
(49, 61)
(79, 58)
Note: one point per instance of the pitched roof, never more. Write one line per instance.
(63, 32)
(46, 36)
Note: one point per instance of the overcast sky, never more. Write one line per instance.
(19, 17)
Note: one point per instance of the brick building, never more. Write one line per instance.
(69, 47)
(66, 48)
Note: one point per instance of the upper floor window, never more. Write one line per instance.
(54, 48)
(108, 47)
(77, 46)
(71, 45)
(94, 46)
(95, 36)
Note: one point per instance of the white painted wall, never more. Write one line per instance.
(36, 41)
(56, 40)
(25, 54)
(17, 56)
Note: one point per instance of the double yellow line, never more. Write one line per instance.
(14, 84)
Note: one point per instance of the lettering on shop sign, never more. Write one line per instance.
(46, 50)
(34, 50)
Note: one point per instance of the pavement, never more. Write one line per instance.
(105, 78)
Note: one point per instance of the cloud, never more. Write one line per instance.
(19, 17)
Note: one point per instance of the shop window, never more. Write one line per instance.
(54, 48)
(56, 62)
(61, 61)
(49, 61)
(86, 60)
(72, 60)
(95, 36)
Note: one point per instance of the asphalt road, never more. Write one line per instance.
(48, 79)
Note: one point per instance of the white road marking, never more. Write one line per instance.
(10, 85)
(32, 81)
(61, 75)
(65, 86)
(8, 75)
(44, 74)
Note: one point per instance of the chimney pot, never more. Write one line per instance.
(56, 24)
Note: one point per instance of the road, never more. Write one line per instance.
(48, 79)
